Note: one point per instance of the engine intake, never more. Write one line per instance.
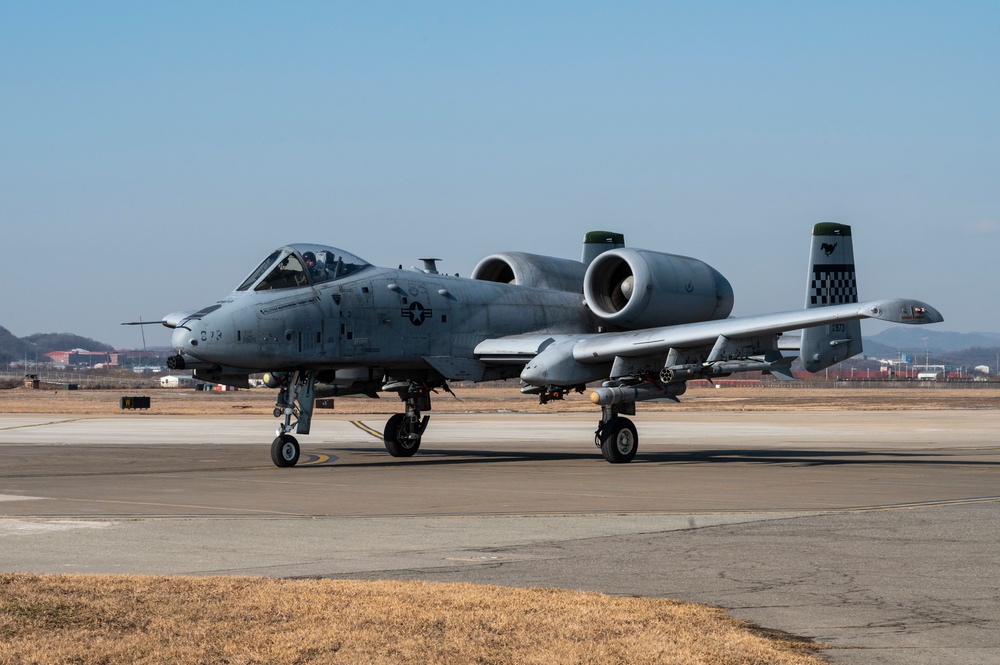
(637, 288)
(523, 269)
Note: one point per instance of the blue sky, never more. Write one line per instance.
(152, 154)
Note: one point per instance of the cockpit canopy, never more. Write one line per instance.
(300, 265)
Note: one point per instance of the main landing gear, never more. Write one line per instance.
(616, 435)
(285, 450)
(403, 431)
(297, 396)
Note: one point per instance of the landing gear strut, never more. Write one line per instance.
(403, 431)
(616, 435)
(295, 402)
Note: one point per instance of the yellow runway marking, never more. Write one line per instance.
(314, 458)
(365, 428)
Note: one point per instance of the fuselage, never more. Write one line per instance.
(353, 314)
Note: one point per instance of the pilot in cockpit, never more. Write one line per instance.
(318, 274)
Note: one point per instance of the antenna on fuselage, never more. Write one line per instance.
(430, 266)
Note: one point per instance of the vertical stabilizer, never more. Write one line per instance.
(831, 281)
(597, 242)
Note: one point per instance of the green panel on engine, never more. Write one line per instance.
(604, 237)
(831, 229)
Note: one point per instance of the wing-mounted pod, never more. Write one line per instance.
(637, 288)
(523, 269)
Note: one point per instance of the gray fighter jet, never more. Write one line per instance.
(638, 324)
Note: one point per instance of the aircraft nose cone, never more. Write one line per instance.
(184, 341)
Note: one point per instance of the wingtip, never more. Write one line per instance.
(902, 310)
(931, 315)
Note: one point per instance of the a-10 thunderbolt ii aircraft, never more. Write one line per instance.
(321, 321)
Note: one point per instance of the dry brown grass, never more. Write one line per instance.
(139, 619)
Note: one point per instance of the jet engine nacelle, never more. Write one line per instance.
(523, 269)
(636, 288)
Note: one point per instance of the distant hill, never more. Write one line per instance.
(15, 348)
(915, 339)
(959, 350)
(12, 347)
(46, 342)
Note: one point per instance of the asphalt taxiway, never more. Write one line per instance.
(874, 532)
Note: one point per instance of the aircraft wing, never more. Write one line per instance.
(601, 348)
(757, 333)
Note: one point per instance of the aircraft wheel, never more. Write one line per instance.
(285, 451)
(619, 440)
(397, 436)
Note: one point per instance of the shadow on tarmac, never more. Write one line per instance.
(801, 458)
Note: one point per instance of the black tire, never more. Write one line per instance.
(619, 440)
(285, 451)
(395, 436)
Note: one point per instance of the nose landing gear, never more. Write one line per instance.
(295, 402)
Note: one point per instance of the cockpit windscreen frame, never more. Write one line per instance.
(302, 264)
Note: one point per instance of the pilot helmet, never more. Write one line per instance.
(309, 256)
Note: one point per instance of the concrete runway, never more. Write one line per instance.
(875, 532)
